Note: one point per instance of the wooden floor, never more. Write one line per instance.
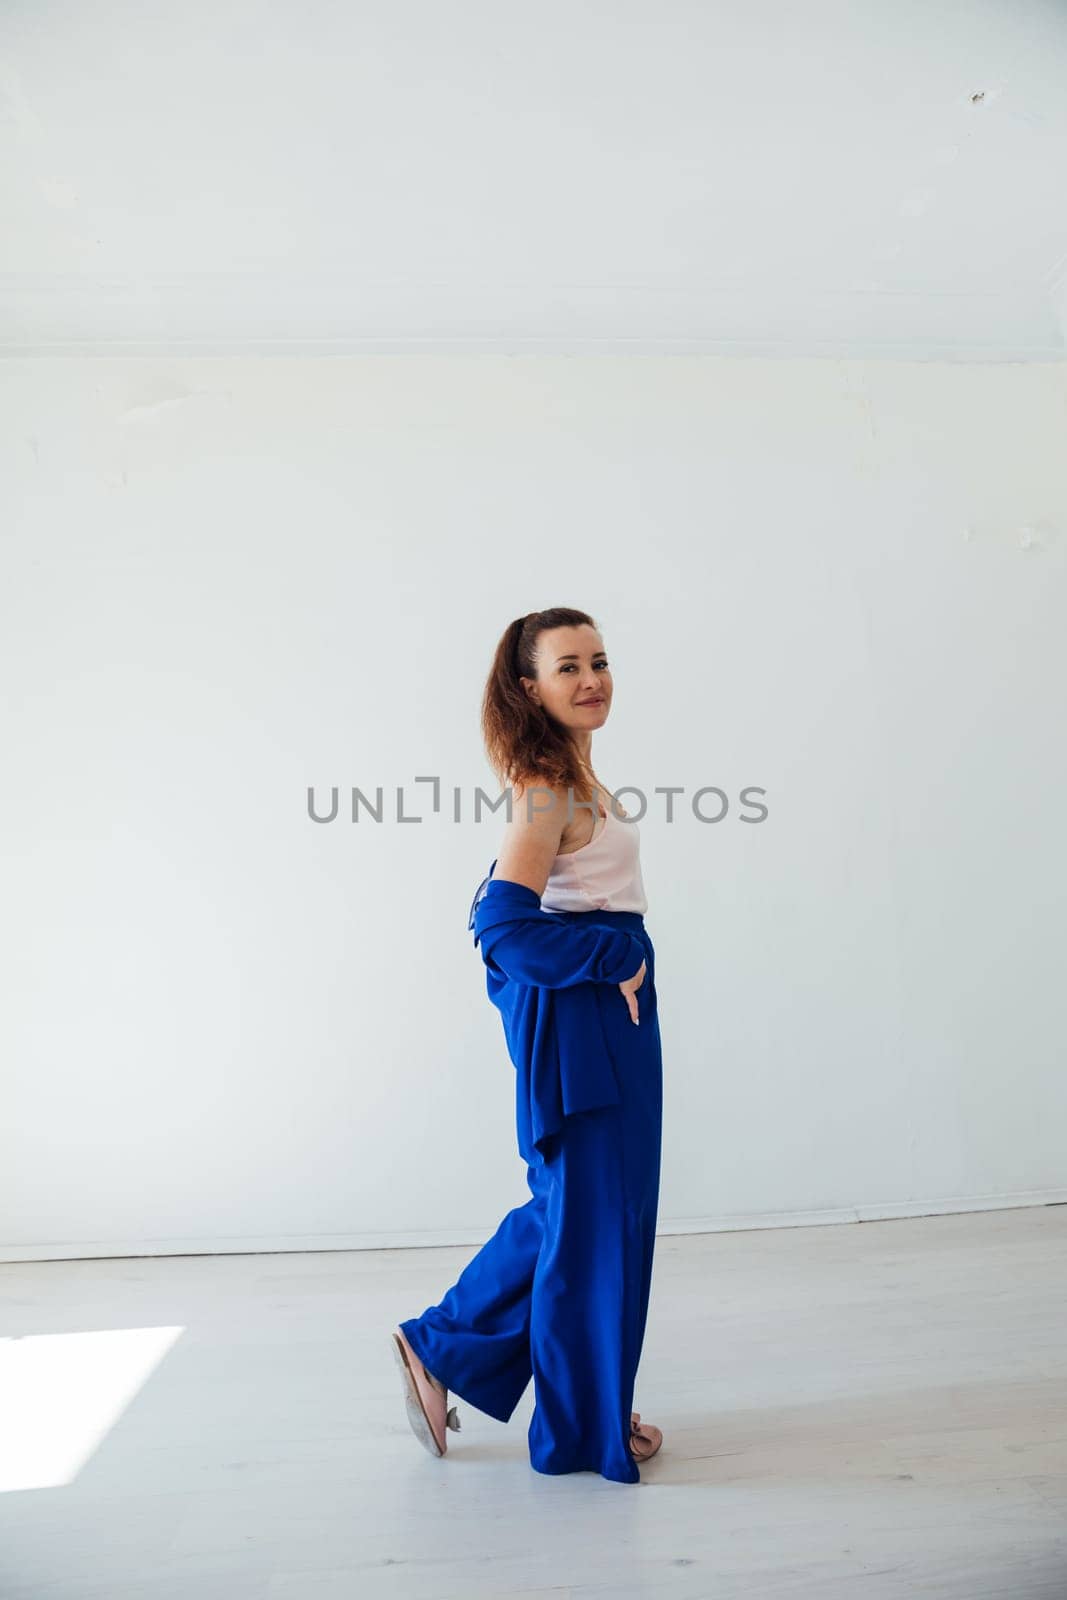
(859, 1412)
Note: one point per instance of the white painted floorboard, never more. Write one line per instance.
(876, 1410)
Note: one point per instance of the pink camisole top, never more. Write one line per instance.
(602, 875)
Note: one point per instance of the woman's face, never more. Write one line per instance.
(573, 681)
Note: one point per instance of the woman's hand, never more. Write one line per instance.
(629, 987)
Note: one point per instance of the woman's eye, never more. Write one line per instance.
(571, 667)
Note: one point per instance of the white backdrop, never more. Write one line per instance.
(226, 1027)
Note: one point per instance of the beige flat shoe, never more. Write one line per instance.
(645, 1438)
(425, 1398)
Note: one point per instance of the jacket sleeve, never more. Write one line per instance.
(531, 946)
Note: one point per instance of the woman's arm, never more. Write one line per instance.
(531, 945)
(533, 834)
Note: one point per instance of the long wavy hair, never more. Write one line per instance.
(524, 744)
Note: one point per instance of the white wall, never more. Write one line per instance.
(842, 177)
(228, 1028)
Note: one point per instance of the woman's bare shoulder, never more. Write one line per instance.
(532, 833)
(535, 800)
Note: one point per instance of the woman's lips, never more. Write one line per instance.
(599, 701)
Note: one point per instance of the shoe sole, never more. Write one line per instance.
(421, 1426)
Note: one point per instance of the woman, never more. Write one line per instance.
(560, 1292)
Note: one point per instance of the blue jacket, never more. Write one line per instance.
(549, 974)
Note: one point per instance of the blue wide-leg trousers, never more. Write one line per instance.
(561, 1290)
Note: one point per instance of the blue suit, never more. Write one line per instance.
(561, 1290)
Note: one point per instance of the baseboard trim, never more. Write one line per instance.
(475, 1235)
